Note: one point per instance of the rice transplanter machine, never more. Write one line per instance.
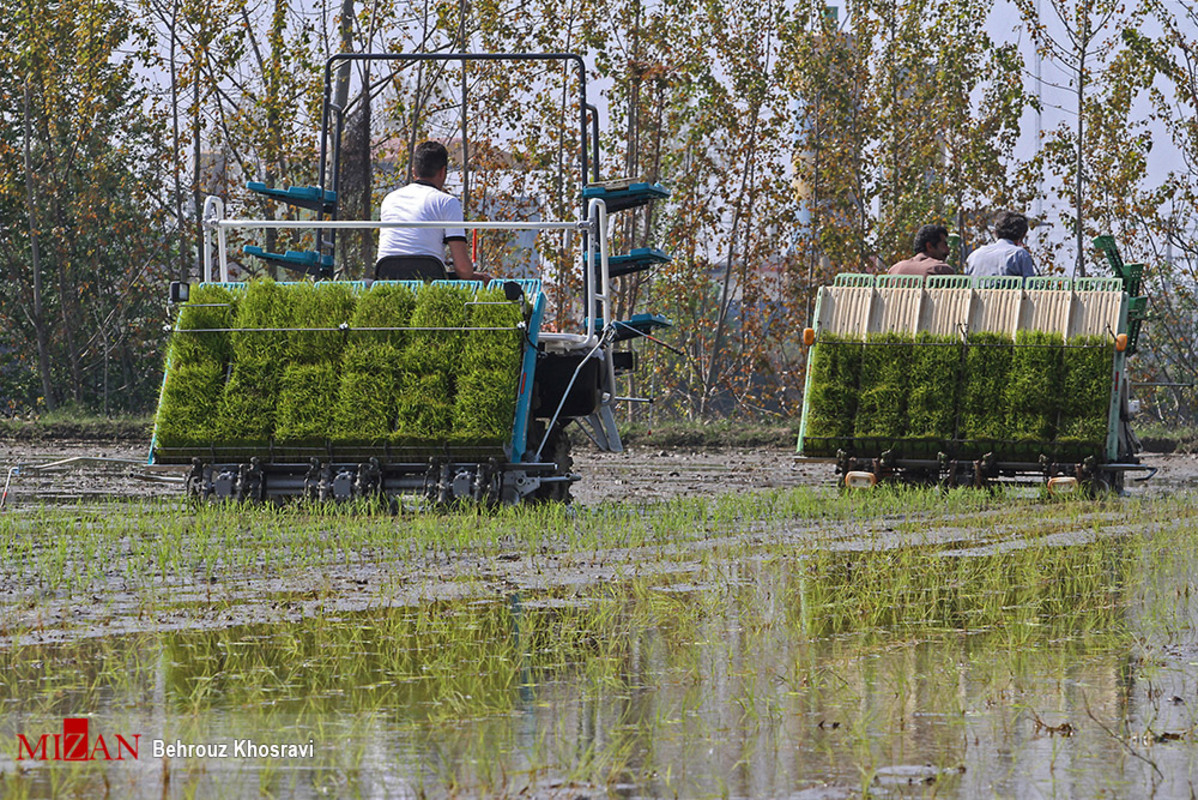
(335, 390)
(964, 380)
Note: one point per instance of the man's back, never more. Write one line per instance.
(1003, 257)
(419, 201)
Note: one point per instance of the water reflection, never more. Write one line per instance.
(901, 672)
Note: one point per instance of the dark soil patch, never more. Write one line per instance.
(98, 430)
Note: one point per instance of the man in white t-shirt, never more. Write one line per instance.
(424, 200)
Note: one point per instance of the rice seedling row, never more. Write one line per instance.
(874, 640)
(304, 364)
(926, 393)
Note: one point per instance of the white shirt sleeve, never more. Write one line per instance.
(451, 211)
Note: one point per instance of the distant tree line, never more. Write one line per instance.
(798, 142)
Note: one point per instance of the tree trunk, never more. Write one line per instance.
(356, 249)
(67, 302)
(39, 322)
(184, 266)
(463, 6)
(197, 194)
(713, 364)
(418, 99)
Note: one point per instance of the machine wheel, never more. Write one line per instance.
(1106, 484)
(557, 450)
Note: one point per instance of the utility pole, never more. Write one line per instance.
(463, 7)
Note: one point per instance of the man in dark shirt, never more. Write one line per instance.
(931, 248)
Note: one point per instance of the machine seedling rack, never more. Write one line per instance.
(961, 380)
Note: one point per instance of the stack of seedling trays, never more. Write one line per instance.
(964, 367)
(285, 372)
(918, 396)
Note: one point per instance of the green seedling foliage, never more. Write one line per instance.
(190, 399)
(297, 385)
(492, 349)
(442, 306)
(987, 363)
(324, 305)
(263, 306)
(1086, 389)
(484, 407)
(430, 359)
(366, 400)
(307, 398)
(247, 409)
(250, 402)
(1018, 609)
(935, 367)
(485, 401)
(835, 364)
(1033, 387)
(384, 305)
(209, 307)
(424, 407)
(882, 406)
(197, 365)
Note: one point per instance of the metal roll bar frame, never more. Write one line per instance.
(329, 110)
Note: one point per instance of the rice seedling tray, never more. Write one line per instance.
(388, 388)
(1011, 373)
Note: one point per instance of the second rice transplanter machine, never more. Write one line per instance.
(233, 386)
(963, 380)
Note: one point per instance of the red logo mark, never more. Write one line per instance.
(75, 744)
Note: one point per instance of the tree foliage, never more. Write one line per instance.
(79, 192)
(797, 144)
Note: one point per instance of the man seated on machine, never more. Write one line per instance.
(419, 253)
(931, 248)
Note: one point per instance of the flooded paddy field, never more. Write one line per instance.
(706, 634)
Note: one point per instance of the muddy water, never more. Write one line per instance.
(1059, 668)
(1049, 653)
(639, 474)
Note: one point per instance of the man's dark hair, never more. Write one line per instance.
(428, 159)
(1010, 225)
(929, 234)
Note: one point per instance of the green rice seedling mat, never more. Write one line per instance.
(1033, 388)
(323, 306)
(261, 312)
(1086, 390)
(485, 401)
(308, 395)
(247, 408)
(424, 408)
(882, 404)
(935, 379)
(210, 311)
(435, 341)
(835, 364)
(386, 305)
(291, 370)
(365, 408)
(987, 364)
(191, 397)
